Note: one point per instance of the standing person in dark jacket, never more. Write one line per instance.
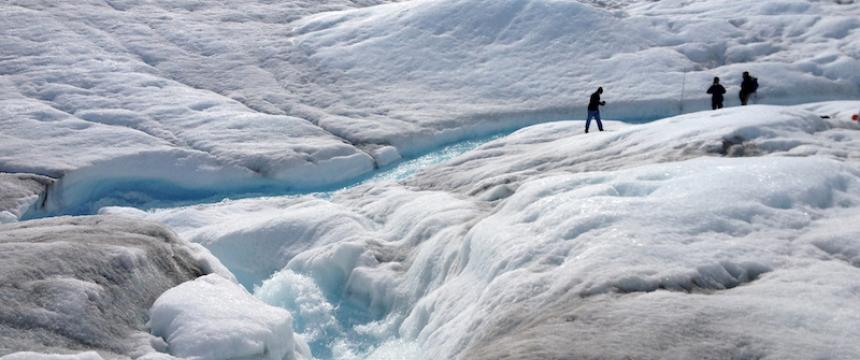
(748, 86)
(716, 90)
(594, 109)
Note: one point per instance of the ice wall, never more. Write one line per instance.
(21, 192)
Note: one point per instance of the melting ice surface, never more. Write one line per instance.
(333, 327)
(560, 234)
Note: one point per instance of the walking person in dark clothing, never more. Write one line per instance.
(749, 85)
(594, 109)
(716, 90)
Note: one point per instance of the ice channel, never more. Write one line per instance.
(333, 327)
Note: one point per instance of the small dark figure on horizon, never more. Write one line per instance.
(594, 109)
(717, 91)
(748, 87)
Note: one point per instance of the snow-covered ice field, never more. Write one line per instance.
(207, 98)
(549, 243)
(390, 180)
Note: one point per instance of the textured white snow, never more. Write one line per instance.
(210, 98)
(732, 234)
(91, 97)
(214, 318)
(70, 284)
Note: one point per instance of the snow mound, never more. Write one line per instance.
(214, 318)
(643, 241)
(86, 283)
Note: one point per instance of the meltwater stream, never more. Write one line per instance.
(405, 169)
(333, 327)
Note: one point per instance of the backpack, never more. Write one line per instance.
(754, 84)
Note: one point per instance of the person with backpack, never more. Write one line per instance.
(749, 85)
(717, 91)
(594, 109)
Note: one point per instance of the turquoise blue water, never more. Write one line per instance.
(408, 167)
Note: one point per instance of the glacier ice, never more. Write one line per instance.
(730, 233)
(86, 283)
(601, 245)
(206, 99)
(755, 131)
